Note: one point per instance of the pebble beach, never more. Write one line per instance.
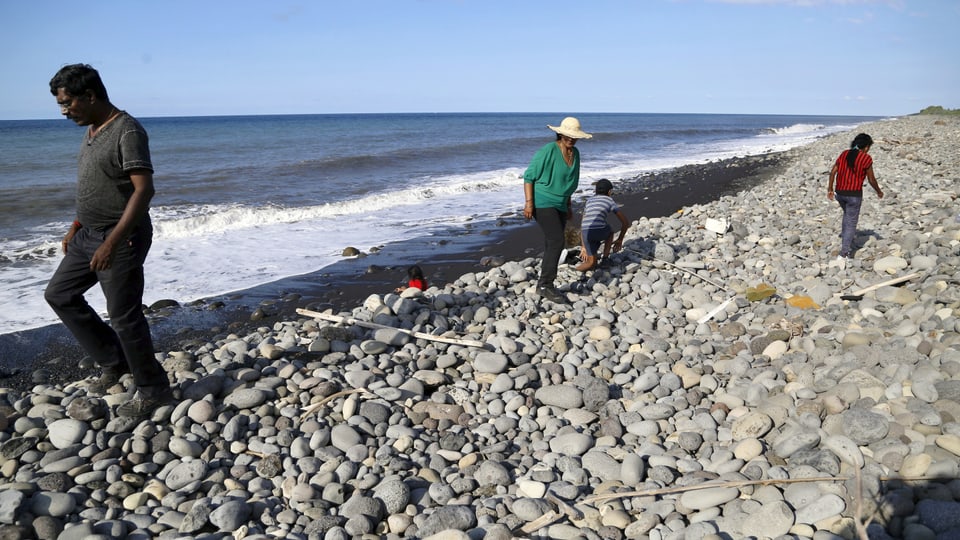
(724, 376)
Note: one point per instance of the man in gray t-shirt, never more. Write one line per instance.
(108, 242)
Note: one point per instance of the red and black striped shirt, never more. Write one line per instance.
(850, 181)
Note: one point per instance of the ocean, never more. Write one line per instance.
(244, 201)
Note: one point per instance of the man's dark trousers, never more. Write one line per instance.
(127, 345)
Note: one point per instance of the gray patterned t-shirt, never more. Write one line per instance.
(103, 171)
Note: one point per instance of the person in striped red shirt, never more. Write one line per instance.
(852, 167)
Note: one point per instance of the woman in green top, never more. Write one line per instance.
(548, 183)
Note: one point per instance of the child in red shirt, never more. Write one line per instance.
(415, 279)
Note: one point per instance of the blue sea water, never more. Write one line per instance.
(247, 200)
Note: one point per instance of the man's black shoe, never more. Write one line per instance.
(552, 295)
(143, 404)
(109, 377)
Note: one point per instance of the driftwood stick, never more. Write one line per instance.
(320, 404)
(682, 269)
(541, 522)
(740, 483)
(706, 485)
(715, 310)
(893, 281)
(366, 324)
(553, 516)
(565, 508)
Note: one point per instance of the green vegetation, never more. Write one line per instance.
(936, 109)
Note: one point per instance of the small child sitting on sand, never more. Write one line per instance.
(594, 228)
(414, 279)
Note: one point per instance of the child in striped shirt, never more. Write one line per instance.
(595, 231)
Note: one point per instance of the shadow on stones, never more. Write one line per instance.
(861, 239)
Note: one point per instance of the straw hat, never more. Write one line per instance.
(571, 128)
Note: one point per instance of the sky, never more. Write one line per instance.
(212, 57)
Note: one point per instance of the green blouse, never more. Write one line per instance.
(553, 180)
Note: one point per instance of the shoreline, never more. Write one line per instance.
(347, 283)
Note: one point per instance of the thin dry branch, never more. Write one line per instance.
(375, 326)
(893, 281)
(682, 269)
(320, 404)
(706, 485)
(740, 483)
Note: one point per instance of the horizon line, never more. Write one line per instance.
(476, 113)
